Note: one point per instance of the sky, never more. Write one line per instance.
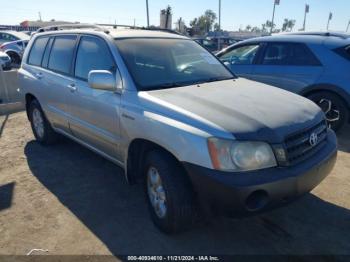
(235, 13)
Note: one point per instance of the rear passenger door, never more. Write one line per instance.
(45, 84)
(94, 114)
(290, 66)
(57, 76)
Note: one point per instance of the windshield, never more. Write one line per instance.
(165, 63)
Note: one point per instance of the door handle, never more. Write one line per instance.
(72, 87)
(39, 75)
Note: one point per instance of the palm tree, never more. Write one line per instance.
(288, 25)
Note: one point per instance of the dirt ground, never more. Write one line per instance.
(67, 200)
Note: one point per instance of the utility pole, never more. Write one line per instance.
(40, 17)
(307, 10)
(147, 13)
(276, 2)
(219, 39)
(329, 19)
(347, 28)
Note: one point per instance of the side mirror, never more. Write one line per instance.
(103, 80)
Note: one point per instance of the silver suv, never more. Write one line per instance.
(176, 119)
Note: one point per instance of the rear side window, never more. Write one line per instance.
(62, 54)
(344, 52)
(37, 51)
(93, 54)
(289, 54)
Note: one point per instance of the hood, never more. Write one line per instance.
(247, 109)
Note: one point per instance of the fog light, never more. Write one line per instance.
(280, 154)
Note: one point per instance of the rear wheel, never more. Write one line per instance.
(42, 129)
(335, 109)
(171, 199)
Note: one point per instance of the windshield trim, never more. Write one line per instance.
(141, 88)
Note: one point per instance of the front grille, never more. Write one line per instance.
(298, 146)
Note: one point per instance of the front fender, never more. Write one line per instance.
(185, 142)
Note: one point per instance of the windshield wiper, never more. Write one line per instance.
(165, 86)
(215, 79)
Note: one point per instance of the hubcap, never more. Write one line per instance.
(331, 111)
(38, 123)
(156, 192)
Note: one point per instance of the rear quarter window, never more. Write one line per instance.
(37, 51)
(344, 52)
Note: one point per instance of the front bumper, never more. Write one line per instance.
(241, 194)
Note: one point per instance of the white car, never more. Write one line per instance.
(5, 61)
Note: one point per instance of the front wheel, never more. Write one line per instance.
(171, 199)
(335, 109)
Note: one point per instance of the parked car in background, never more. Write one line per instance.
(212, 44)
(5, 61)
(15, 50)
(207, 43)
(177, 120)
(10, 36)
(315, 65)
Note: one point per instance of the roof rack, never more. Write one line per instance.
(101, 27)
(71, 27)
(152, 28)
(328, 34)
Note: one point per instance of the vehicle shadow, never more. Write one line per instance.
(6, 195)
(3, 124)
(344, 139)
(95, 191)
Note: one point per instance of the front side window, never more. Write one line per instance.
(62, 53)
(164, 63)
(243, 55)
(37, 51)
(292, 54)
(93, 54)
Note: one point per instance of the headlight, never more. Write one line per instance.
(228, 155)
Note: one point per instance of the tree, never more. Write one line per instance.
(269, 24)
(204, 23)
(256, 29)
(288, 25)
(248, 28)
(217, 27)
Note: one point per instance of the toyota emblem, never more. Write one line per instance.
(313, 139)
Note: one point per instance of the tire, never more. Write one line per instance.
(15, 58)
(333, 106)
(176, 193)
(44, 134)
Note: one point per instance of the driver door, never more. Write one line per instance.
(240, 59)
